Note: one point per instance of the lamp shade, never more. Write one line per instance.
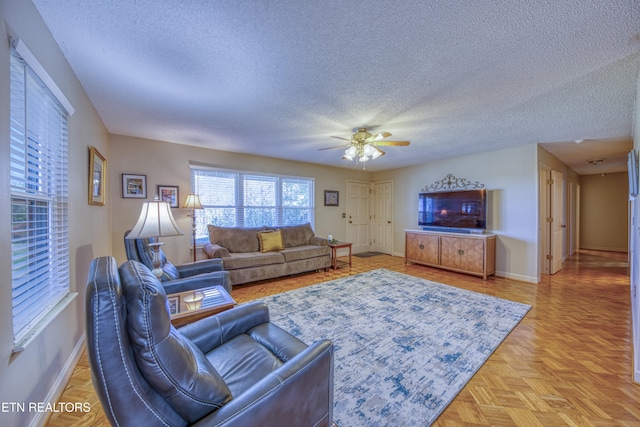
(192, 202)
(155, 220)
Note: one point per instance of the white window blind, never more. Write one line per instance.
(39, 198)
(248, 199)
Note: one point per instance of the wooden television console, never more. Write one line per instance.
(472, 253)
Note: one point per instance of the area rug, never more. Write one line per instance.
(404, 346)
(367, 254)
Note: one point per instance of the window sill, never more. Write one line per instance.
(42, 324)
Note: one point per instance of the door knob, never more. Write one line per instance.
(388, 222)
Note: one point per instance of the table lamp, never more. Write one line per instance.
(193, 203)
(155, 221)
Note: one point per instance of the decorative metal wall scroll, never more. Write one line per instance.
(450, 182)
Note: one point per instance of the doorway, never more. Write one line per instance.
(382, 217)
(559, 237)
(370, 216)
(359, 216)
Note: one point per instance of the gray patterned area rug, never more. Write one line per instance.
(404, 346)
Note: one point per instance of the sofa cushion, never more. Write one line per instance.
(172, 364)
(304, 252)
(252, 259)
(296, 235)
(270, 241)
(235, 239)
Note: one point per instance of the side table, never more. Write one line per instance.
(334, 253)
(214, 300)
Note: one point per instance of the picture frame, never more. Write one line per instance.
(174, 304)
(97, 177)
(134, 186)
(169, 194)
(331, 198)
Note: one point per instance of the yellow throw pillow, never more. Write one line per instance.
(270, 241)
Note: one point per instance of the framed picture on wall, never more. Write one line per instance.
(97, 177)
(331, 198)
(134, 186)
(169, 194)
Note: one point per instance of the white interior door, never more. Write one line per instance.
(557, 223)
(358, 216)
(383, 217)
(544, 213)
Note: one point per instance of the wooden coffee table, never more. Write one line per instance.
(216, 299)
(334, 253)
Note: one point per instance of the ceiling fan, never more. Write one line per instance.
(362, 145)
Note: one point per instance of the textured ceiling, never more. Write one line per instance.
(278, 78)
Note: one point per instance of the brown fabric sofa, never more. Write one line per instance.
(239, 249)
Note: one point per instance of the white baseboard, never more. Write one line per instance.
(518, 277)
(54, 394)
(604, 248)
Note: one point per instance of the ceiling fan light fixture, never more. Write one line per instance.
(363, 145)
(375, 153)
(350, 153)
(368, 150)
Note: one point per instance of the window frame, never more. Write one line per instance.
(39, 195)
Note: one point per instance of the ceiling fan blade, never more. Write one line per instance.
(339, 137)
(331, 148)
(391, 143)
(380, 135)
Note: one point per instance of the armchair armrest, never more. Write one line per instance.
(200, 267)
(212, 331)
(216, 278)
(298, 393)
(318, 241)
(214, 250)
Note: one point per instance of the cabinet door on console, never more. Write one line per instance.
(463, 253)
(423, 248)
(450, 252)
(472, 257)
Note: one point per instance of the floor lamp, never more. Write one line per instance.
(193, 203)
(155, 221)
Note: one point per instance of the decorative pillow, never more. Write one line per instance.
(270, 241)
(174, 366)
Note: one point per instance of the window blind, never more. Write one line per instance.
(248, 199)
(39, 198)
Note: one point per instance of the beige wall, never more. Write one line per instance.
(32, 375)
(509, 175)
(604, 212)
(168, 164)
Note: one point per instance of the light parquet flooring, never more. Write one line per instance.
(568, 362)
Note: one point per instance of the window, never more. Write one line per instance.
(39, 197)
(246, 199)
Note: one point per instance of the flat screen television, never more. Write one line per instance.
(456, 210)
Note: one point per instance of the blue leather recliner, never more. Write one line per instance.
(179, 278)
(233, 368)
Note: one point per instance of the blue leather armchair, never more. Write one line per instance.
(234, 368)
(179, 278)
